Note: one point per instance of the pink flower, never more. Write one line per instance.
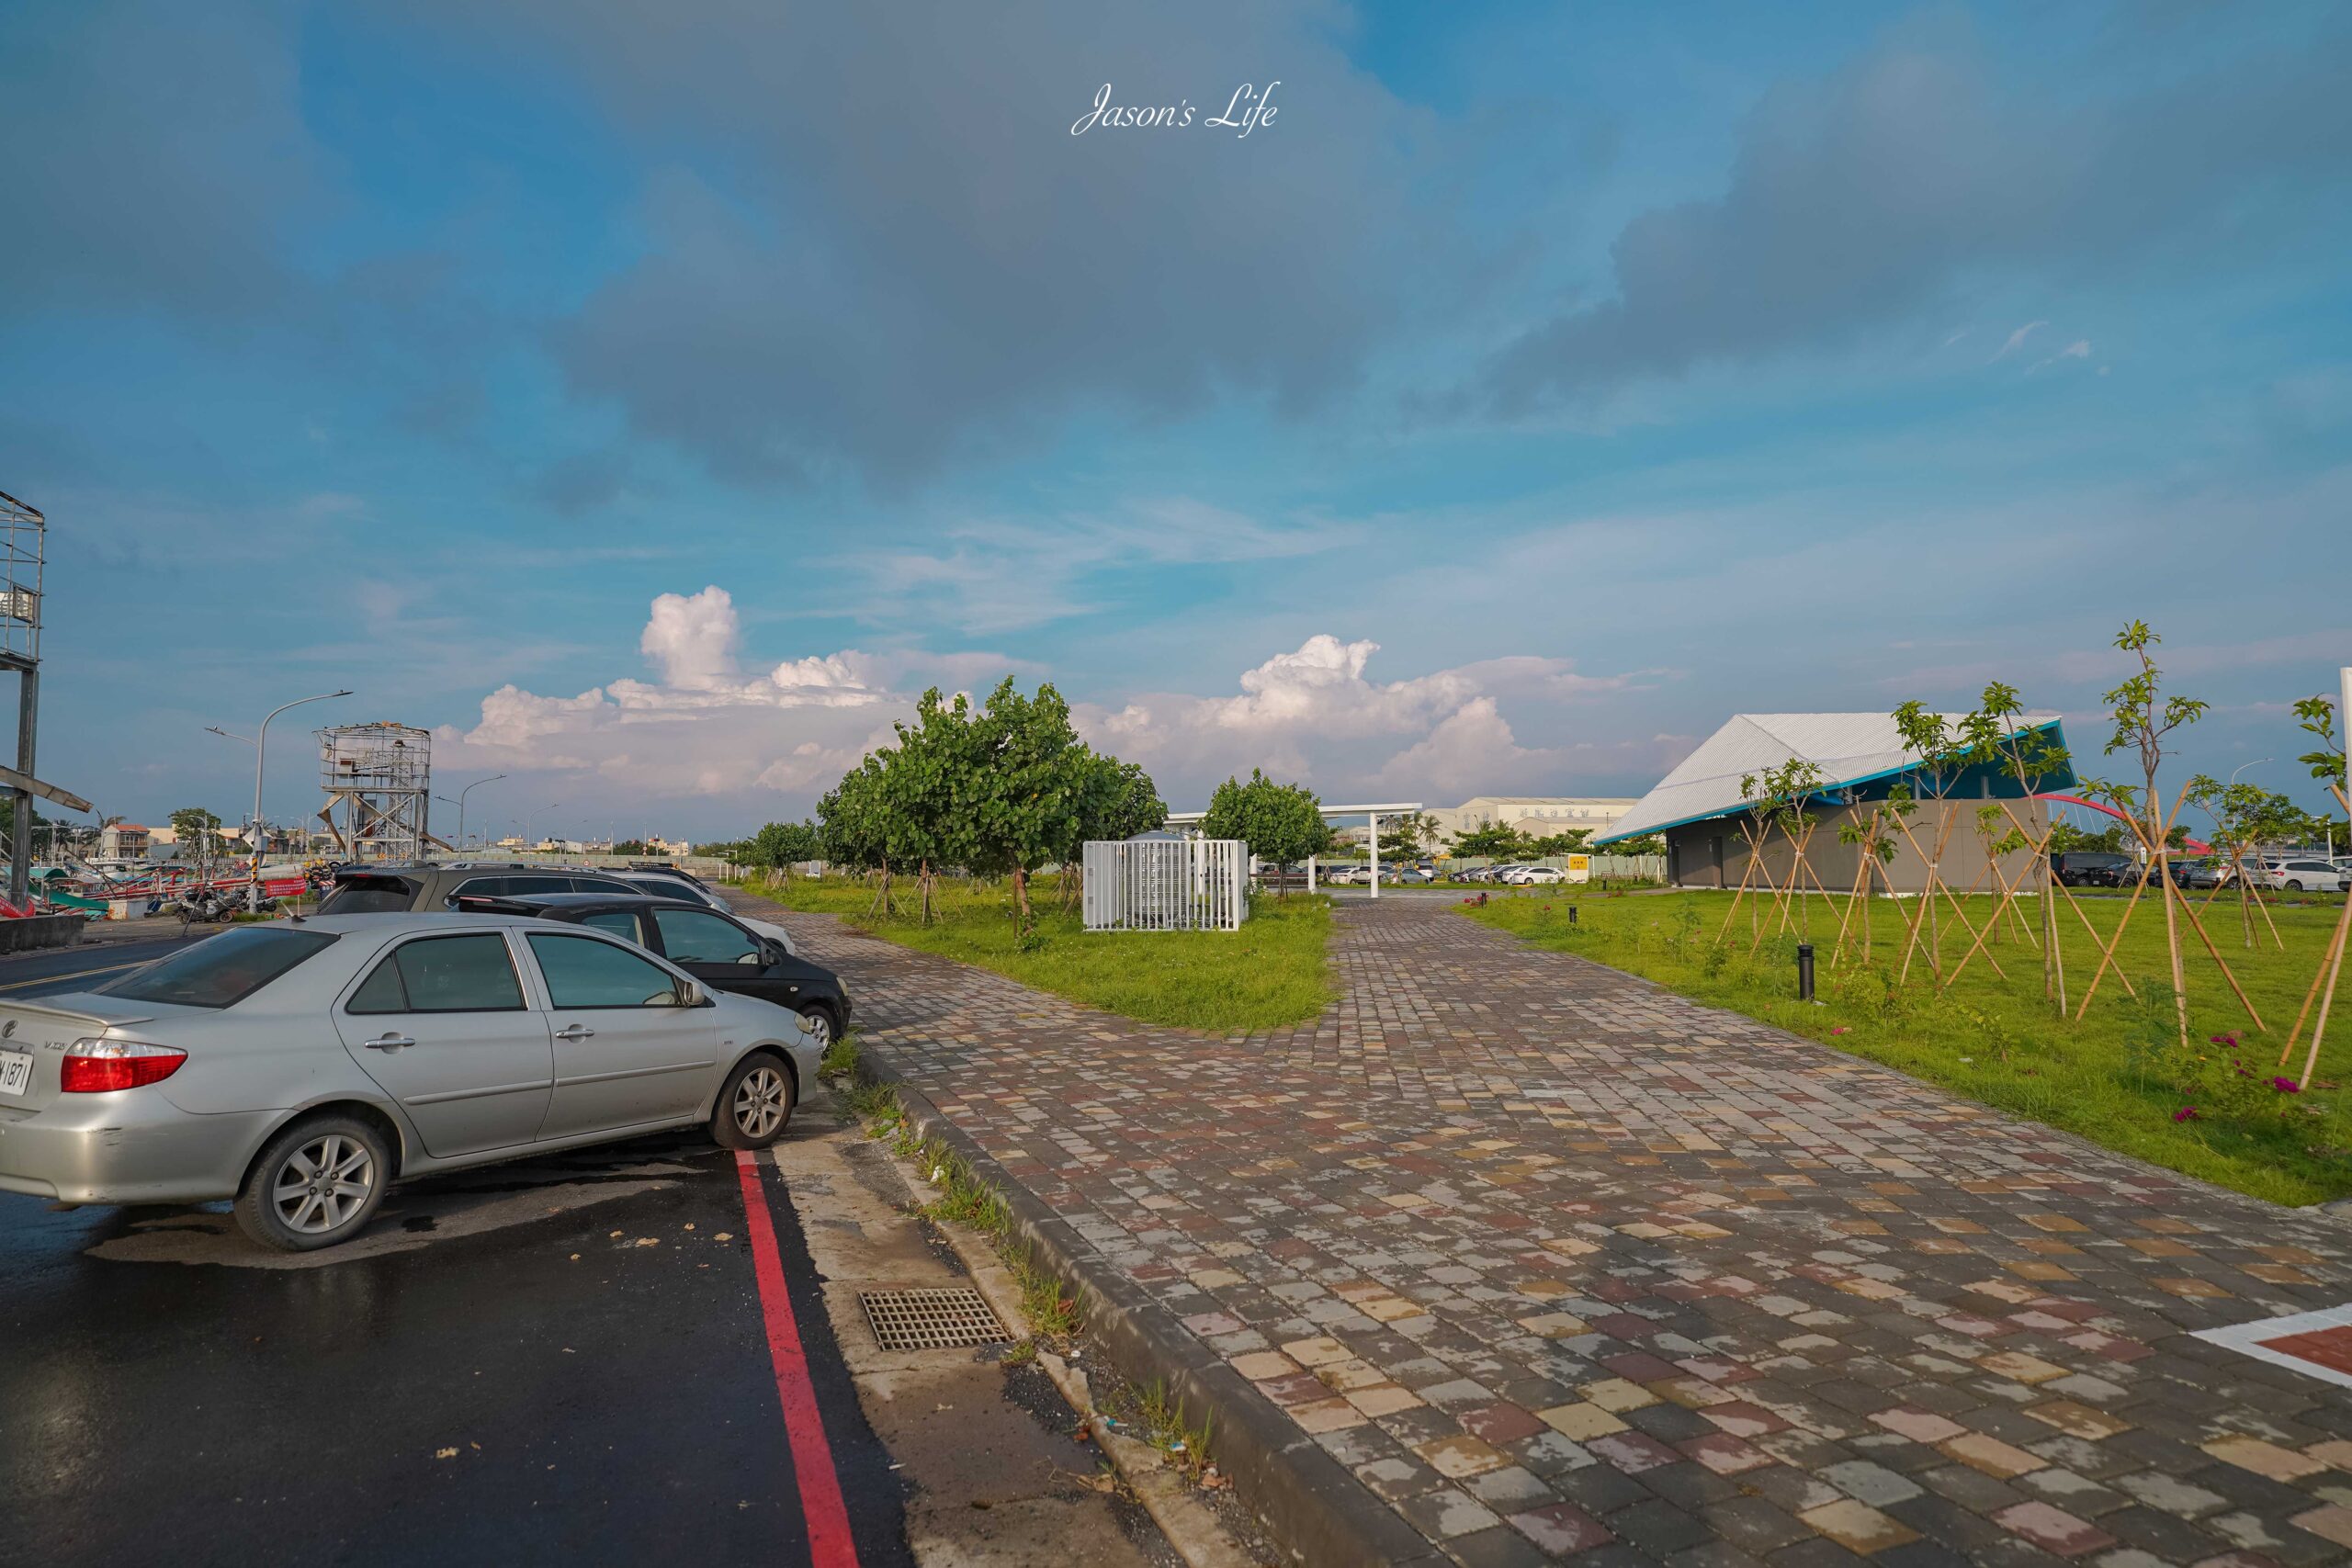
(2286, 1085)
(1839, 1029)
(2229, 1040)
(2186, 1114)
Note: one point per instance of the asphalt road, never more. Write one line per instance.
(574, 1359)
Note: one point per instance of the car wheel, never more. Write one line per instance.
(818, 1022)
(315, 1184)
(754, 1104)
(2294, 888)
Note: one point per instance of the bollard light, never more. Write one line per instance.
(1804, 970)
(1572, 914)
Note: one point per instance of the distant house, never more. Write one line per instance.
(122, 841)
(1708, 824)
(1537, 815)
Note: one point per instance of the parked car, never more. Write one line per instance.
(1353, 873)
(669, 881)
(2094, 868)
(1406, 876)
(439, 885)
(2201, 873)
(722, 951)
(301, 1068)
(1530, 876)
(2300, 874)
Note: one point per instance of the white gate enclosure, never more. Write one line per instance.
(1166, 885)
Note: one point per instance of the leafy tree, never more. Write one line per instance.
(1282, 824)
(2067, 837)
(782, 843)
(193, 824)
(1023, 789)
(1409, 835)
(637, 847)
(1116, 800)
(1494, 841)
(1569, 842)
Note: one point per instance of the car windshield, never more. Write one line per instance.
(220, 971)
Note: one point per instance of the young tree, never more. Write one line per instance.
(1564, 844)
(1116, 800)
(1026, 788)
(1409, 835)
(782, 843)
(193, 824)
(1282, 824)
(2317, 715)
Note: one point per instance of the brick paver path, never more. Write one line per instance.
(1558, 1263)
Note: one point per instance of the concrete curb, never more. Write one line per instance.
(1308, 1502)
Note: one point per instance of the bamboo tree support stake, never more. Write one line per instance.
(2327, 963)
(1747, 874)
(1978, 945)
(2116, 941)
(1936, 885)
(1853, 896)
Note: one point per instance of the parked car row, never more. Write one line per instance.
(2307, 874)
(429, 1019)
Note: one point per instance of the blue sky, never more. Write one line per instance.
(652, 402)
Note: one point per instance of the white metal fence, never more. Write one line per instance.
(1166, 885)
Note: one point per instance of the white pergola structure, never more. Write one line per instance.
(1373, 814)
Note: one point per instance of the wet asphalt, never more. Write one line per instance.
(557, 1359)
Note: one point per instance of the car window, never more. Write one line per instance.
(582, 972)
(600, 885)
(368, 895)
(222, 970)
(481, 887)
(473, 973)
(540, 883)
(689, 936)
(621, 923)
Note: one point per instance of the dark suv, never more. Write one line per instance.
(398, 889)
(2094, 868)
(719, 950)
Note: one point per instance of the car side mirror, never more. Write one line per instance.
(771, 952)
(692, 993)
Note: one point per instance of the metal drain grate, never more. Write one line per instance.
(931, 1320)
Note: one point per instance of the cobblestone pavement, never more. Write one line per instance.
(1558, 1263)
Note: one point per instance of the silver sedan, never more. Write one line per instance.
(301, 1067)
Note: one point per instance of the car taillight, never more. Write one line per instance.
(99, 1066)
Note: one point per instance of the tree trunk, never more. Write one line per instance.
(2172, 920)
(1021, 894)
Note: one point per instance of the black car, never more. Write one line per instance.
(2094, 868)
(716, 949)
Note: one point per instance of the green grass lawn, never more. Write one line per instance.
(2118, 1078)
(1271, 973)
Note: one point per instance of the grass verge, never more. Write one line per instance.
(1272, 973)
(2118, 1076)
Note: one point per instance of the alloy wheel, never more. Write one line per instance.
(323, 1183)
(760, 1104)
(819, 1024)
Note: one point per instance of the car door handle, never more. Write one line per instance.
(390, 1042)
(577, 1032)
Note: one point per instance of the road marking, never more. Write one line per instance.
(830, 1545)
(77, 974)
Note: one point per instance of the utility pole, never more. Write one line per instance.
(261, 750)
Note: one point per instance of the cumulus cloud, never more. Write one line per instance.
(701, 726)
(1314, 714)
(1914, 172)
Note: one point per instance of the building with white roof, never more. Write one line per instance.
(1710, 830)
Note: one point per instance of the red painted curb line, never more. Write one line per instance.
(830, 1545)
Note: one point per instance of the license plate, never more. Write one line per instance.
(15, 1072)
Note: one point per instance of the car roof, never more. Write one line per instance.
(604, 901)
(402, 920)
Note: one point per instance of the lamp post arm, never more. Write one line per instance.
(261, 754)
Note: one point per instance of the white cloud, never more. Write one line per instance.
(2016, 339)
(693, 639)
(2078, 349)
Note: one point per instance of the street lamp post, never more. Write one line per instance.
(261, 752)
(460, 803)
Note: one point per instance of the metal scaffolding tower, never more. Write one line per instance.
(378, 779)
(24, 541)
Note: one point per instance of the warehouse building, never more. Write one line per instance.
(1712, 831)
